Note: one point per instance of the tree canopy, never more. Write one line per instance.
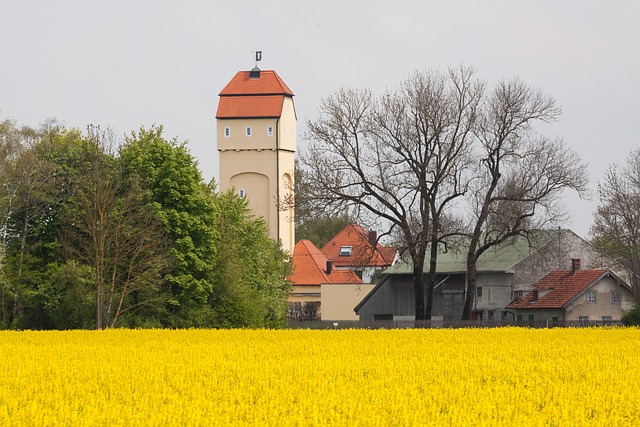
(101, 233)
(442, 155)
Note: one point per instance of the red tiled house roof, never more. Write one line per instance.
(309, 267)
(253, 97)
(558, 288)
(362, 253)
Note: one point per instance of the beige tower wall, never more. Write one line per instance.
(262, 166)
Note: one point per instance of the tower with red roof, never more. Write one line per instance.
(256, 138)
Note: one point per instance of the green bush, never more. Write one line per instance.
(632, 317)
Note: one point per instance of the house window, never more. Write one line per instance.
(606, 320)
(555, 321)
(615, 297)
(521, 318)
(242, 193)
(345, 251)
(591, 296)
(248, 130)
(479, 291)
(227, 132)
(383, 317)
(584, 320)
(269, 130)
(491, 315)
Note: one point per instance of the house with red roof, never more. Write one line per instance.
(575, 296)
(357, 249)
(320, 291)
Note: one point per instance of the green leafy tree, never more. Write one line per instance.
(183, 204)
(251, 269)
(29, 223)
(226, 271)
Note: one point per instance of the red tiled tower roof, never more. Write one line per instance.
(363, 252)
(558, 288)
(253, 97)
(269, 83)
(309, 267)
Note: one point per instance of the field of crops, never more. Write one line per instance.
(505, 376)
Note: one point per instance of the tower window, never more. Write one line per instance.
(248, 130)
(269, 130)
(227, 132)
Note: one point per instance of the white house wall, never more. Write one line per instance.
(603, 305)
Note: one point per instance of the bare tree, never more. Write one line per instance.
(399, 157)
(616, 229)
(521, 176)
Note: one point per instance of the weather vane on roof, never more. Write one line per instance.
(258, 56)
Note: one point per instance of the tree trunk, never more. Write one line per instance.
(471, 286)
(431, 277)
(418, 290)
(472, 267)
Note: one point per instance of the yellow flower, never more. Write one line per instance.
(509, 376)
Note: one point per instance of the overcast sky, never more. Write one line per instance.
(127, 64)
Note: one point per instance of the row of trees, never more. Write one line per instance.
(99, 233)
(442, 155)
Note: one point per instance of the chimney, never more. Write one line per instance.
(575, 264)
(373, 238)
(329, 266)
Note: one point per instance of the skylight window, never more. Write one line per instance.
(345, 250)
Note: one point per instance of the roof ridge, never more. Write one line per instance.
(243, 84)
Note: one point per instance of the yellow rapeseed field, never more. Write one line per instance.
(510, 376)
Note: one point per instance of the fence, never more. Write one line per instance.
(456, 324)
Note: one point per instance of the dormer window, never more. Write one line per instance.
(345, 250)
(227, 132)
(248, 131)
(255, 73)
